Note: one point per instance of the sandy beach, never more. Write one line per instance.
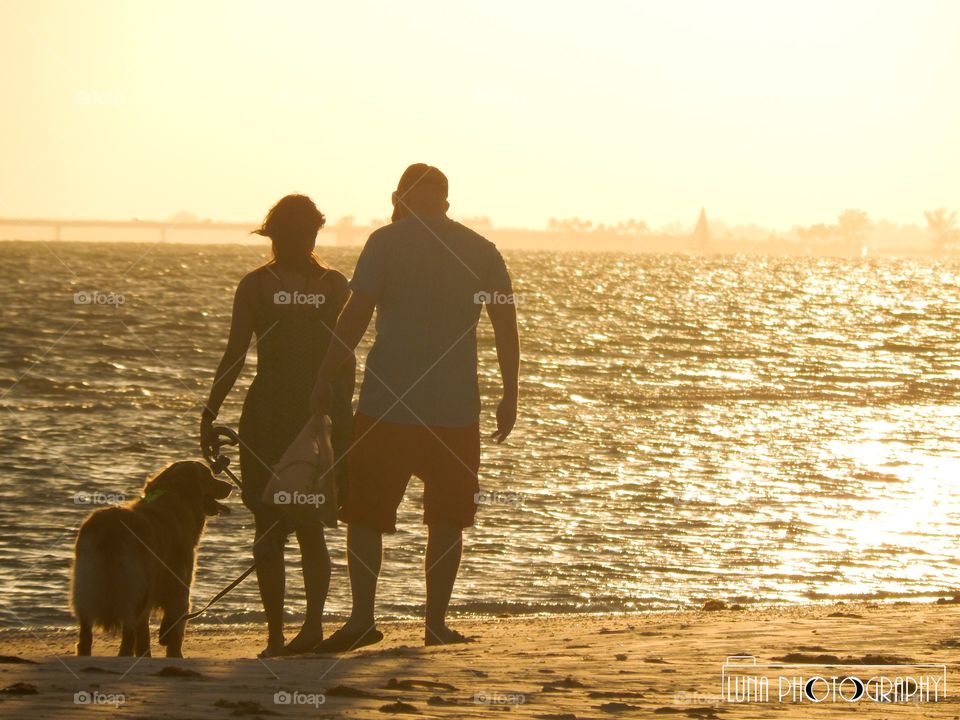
(559, 667)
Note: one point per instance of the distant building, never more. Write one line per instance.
(701, 233)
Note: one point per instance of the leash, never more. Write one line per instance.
(220, 463)
(229, 588)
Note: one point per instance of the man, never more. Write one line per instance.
(419, 407)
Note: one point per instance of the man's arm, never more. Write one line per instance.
(351, 325)
(503, 317)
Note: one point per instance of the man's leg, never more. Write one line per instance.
(444, 549)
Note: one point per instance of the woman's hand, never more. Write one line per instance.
(208, 438)
(321, 397)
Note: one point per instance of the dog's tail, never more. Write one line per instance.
(109, 587)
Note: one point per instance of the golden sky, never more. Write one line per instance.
(763, 111)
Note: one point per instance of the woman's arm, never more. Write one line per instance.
(340, 357)
(231, 364)
(346, 374)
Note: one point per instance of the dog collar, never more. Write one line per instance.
(154, 494)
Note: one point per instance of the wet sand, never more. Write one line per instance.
(553, 668)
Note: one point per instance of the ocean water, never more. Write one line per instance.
(761, 430)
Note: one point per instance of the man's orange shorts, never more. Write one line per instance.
(382, 458)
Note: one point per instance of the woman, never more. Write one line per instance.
(291, 303)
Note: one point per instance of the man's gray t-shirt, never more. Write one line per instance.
(429, 278)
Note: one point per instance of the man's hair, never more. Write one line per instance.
(423, 187)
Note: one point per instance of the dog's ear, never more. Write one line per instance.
(164, 480)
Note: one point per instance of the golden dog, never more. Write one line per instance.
(135, 559)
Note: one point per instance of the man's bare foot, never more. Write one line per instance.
(444, 636)
(350, 637)
(305, 640)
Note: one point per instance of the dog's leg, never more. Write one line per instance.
(126, 642)
(165, 622)
(142, 640)
(175, 627)
(85, 638)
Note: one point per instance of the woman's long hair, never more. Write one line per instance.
(292, 226)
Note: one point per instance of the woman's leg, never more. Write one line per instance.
(268, 554)
(315, 560)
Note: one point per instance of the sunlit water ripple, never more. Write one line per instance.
(755, 429)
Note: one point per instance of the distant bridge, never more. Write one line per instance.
(57, 226)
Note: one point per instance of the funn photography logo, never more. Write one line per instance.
(744, 680)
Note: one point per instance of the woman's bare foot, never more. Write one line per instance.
(273, 649)
(444, 636)
(305, 640)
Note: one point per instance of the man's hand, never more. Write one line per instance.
(506, 417)
(321, 397)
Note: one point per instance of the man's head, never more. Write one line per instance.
(422, 190)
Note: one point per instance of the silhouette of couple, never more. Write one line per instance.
(419, 404)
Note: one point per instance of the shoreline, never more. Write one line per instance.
(555, 667)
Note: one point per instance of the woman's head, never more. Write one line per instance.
(292, 226)
(422, 190)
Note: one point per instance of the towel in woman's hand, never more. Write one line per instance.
(303, 484)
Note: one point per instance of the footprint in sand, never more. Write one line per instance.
(394, 684)
(102, 671)
(699, 713)
(566, 684)
(179, 672)
(243, 707)
(398, 707)
(15, 660)
(20, 688)
(351, 692)
(618, 707)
